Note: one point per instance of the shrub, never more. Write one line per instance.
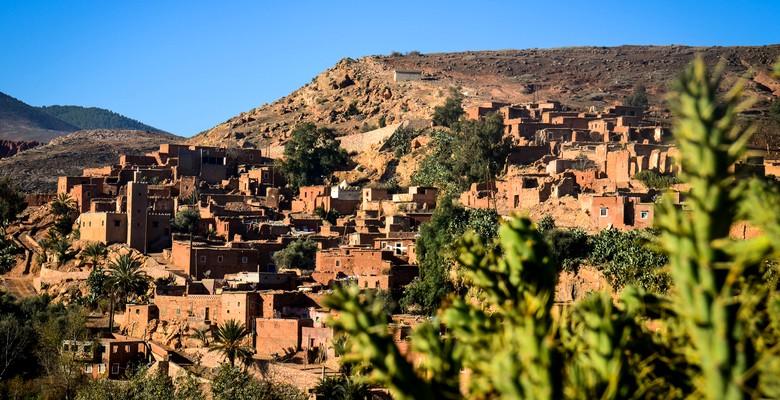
(654, 180)
(400, 142)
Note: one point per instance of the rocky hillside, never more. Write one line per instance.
(355, 94)
(36, 170)
(22, 122)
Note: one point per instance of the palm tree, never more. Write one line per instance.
(58, 244)
(125, 277)
(201, 334)
(229, 340)
(341, 388)
(94, 251)
(62, 205)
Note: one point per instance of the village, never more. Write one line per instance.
(223, 267)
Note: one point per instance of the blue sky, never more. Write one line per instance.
(184, 66)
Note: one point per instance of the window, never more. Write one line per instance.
(178, 311)
(127, 348)
(101, 368)
(137, 311)
(219, 259)
(115, 368)
(65, 347)
(338, 263)
(116, 223)
(87, 348)
(88, 368)
(114, 348)
(376, 284)
(603, 211)
(244, 260)
(644, 214)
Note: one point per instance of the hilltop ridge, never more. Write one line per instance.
(355, 95)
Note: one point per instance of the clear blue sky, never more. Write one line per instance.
(184, 66)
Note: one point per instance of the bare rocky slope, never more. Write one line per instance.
(355, 94)
(36, 169)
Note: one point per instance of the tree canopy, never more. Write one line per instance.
(311, 155)
(298, 254)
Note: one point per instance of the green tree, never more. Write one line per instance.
(473, 151)
(298, 254)
(125, 278)
(188, 388)
(450, 112)
(435, 256)
(187, 221)
(145, 385)
(311, 155)
(638, 98)
(8, 251)
(230, 340)
(231, 383)
(11, 202)
(330, 215)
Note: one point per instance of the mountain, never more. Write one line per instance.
(355, 94)
(95, 118)
(37, 169)
(22, 122)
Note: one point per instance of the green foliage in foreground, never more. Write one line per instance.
(714, 336)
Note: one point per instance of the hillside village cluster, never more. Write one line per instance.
(228, 273)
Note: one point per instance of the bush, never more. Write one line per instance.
(625, 258)
(654, 180)
(400, 142)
